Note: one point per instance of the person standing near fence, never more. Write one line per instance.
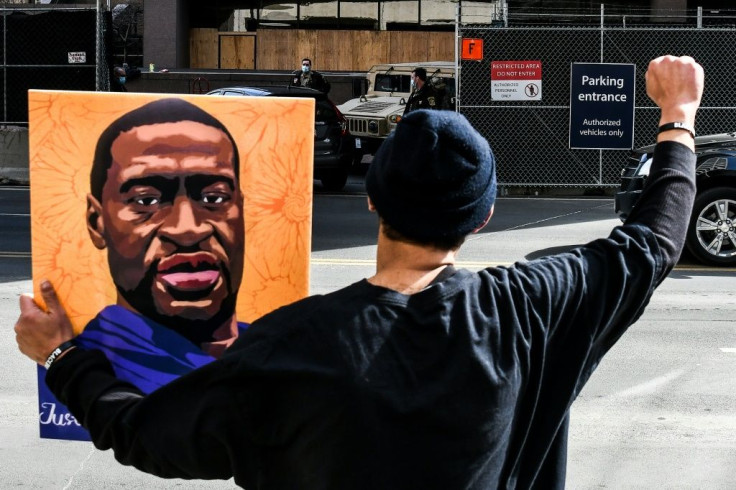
(423, 95)
(122, 75)
(306, 77)
(422, 375)
(118, 80)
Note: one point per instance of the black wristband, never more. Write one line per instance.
(677, 125)
(65, 346)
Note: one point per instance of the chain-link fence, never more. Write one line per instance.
(531, 138)
(51, 49)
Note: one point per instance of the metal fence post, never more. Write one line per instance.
(457, 58)
(458, 65)
(5, 66)
(600, 152)
(98, 47)
(603, 20)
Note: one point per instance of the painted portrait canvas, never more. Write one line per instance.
(167, 223)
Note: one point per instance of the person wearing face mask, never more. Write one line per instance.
(118, 79)
(422, 95)
(121, 75)
(306, 77)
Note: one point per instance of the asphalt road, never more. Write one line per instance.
(659, 412)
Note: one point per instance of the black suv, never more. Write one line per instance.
(333, 144)
(711, 235)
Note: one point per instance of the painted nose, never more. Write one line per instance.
(183, 225)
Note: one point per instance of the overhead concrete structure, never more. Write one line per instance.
(166, 41)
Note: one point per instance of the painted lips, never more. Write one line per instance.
(189, 272)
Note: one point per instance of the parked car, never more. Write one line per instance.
(373, 115)
(333, 143)
(711, 234)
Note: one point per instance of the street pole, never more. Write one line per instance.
(98, 47)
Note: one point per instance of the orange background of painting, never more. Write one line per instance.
(275, 139)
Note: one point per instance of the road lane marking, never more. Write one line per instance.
(343, 261)
(372, 262)
(532, 223)
(730, 350)
(79, 470)
(485, 264)
(15, 255)
(652, 385)
(703, 268)
(364, 262)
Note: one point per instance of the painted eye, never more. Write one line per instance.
(214, 198)
(146, 200)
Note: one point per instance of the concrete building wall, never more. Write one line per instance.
(165, 41)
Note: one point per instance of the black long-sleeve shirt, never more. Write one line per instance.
(466, 384)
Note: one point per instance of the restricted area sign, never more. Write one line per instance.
(516, 80)
(472, 49)
(602, 105)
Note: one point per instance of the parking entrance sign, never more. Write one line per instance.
(602, 106)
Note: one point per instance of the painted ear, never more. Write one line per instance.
(95, 223)
(371, 207)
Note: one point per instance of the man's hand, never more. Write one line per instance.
(675, 84)
(39, 332)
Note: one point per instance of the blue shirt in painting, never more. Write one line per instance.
(141, 351)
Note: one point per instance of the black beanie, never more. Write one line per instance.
(433, 177)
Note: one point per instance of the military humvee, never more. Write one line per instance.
(373, 115)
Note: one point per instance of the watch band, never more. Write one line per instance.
(65, 346)
(677, 125)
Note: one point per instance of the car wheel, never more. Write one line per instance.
(334, 180)
(711, 236)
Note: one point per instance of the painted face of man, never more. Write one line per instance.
(171, 218)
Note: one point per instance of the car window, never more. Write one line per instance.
(325, 112)
(392, 83)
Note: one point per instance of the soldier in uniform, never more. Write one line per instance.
(306, 77)
(422, 95)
